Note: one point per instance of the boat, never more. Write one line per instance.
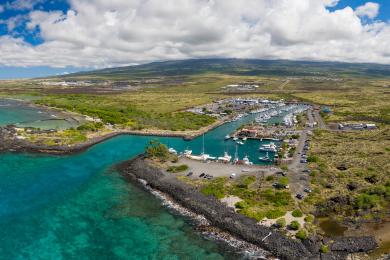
(203, 156)
(172, 151)
(246, 160)
(227, 137)
(271, 147)
(244, 138)
(265, 158)
(240, 142)
(187, 152)
(225, 158)
(235, 138)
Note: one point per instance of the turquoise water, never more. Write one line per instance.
(20, 114)
(78, 207)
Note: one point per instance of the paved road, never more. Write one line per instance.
(320, 122)
(298, 179)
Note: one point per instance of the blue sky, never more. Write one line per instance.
(49, 37)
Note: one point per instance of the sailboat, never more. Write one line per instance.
(203, 156)
(225, 158)
(246, 160)
(265, 158)
(235, 161)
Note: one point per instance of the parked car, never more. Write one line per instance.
(307, 190)
(306, 171)
(232, 176)
(299, 196)
(190, 174)
(202, 174)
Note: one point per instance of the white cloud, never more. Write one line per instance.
(369, 10)
(1, 8)
(22, 4)
(100, 33)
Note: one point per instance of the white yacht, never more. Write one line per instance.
(225, 158)
(172, 151)
(271, 147)
(246, 160)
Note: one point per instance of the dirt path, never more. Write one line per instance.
(281, 87)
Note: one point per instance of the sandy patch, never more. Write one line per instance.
(230, 201)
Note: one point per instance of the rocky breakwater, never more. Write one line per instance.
(217, 213)
(238, 225)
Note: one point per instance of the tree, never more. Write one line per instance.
(155, 149)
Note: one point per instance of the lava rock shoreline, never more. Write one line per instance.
(236, 224)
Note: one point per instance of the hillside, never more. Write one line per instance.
(239, 67)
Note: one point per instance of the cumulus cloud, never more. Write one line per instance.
(100, 33)
(369, 10)
(22, 4)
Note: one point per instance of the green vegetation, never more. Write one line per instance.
(301, 234)
(215, 188)
(179, 168)
(157, 150)
(275, 213)
(349, 169)
(294, 225)
(257, 202)
(352, 170)
(309, 218)
(297, 213)
(324, 249)
(119, 111)
(91, 126)
(281, 222)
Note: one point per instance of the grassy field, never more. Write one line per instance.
(259, 198)
(350, 174)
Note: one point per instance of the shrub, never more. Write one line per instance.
(313, 158)
(269, 178)
(241, 205)
(180, 168)
(309, 218)
(324, 249)
(275, 213)
(301, 234)
(91, 126)
(283, 181)
(215, 188)
(294, 225)
(251, 213)
(297, 213)
(366, 201)
(281, 222)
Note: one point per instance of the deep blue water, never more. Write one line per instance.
(77, 206)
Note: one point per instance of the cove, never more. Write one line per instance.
(77, 206)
